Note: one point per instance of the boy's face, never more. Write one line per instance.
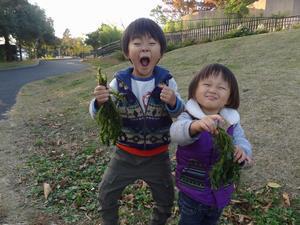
(144, 53)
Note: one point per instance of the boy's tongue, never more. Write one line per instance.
(145, 61)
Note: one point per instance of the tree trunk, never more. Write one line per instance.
(20, 52)
(8, 50)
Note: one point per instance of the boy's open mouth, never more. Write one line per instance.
(145, 61)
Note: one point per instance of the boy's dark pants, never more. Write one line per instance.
(123, 170)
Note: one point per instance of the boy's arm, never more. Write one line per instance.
(179, 106)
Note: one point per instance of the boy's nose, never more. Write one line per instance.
(145, 48)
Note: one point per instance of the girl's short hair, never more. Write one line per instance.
(216, 70)
(141, 27)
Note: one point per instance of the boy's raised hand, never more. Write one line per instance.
(101, 94)
(167, 95)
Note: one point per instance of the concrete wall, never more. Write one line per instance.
(281, 7)
(275, 7)
(296, 8)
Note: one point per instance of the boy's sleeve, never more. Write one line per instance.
(240, 139)
(179, 107)
(93, 108)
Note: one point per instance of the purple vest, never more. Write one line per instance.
(194, 162)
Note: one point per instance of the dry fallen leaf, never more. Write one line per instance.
(286, 199)
(266, 208)
(47, 190)
(273, 185)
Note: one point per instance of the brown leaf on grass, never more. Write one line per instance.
(273, 185)
(243, 218)
(234, 201)
(128, 198)
(266, 208)
(286, 199)
(47, 190)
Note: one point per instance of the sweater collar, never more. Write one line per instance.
(230, 115)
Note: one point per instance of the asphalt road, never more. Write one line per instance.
(12, 80)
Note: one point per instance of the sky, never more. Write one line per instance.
(82, 17)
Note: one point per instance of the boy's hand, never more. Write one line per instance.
(101, 94)
(167, 95)
(239, 155)
(207, 123)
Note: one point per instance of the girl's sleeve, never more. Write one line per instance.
(93, 108)
(180, 130)
(240, 139)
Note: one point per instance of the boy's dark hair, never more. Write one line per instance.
(227, 75)
(141, 27)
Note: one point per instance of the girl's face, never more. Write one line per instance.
(144, 53)
(212, 94)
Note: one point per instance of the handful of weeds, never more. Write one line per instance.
(225, 171)
(108, 117)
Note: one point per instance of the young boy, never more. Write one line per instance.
(150, 100)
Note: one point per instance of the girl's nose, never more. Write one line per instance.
(212, 89)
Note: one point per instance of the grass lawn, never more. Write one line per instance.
(10, 65)
(65, 152)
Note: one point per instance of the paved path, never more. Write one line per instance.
(12, 80)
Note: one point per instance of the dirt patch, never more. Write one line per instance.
(15, 207)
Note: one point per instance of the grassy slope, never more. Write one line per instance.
(267, 67)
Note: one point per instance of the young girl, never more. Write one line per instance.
(213, 99)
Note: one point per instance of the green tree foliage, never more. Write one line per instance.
(237, 7)
(66, 46)
(105, 34)
(25, 23)
(109, 34)
(158, 14)
(232, 7)
(8, 15)
(93, 39)
(70, 46)
(173, 10)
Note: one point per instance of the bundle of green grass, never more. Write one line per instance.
(108, 117)
(226, 170)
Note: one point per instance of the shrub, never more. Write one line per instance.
(239, 32)
(172, 46)
(296, 26)
(118, 55)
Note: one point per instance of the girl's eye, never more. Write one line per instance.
(206, 84)
(222, 88)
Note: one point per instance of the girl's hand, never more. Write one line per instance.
(167, 95)
(101, 94)
(207, 123)
(239, 155)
